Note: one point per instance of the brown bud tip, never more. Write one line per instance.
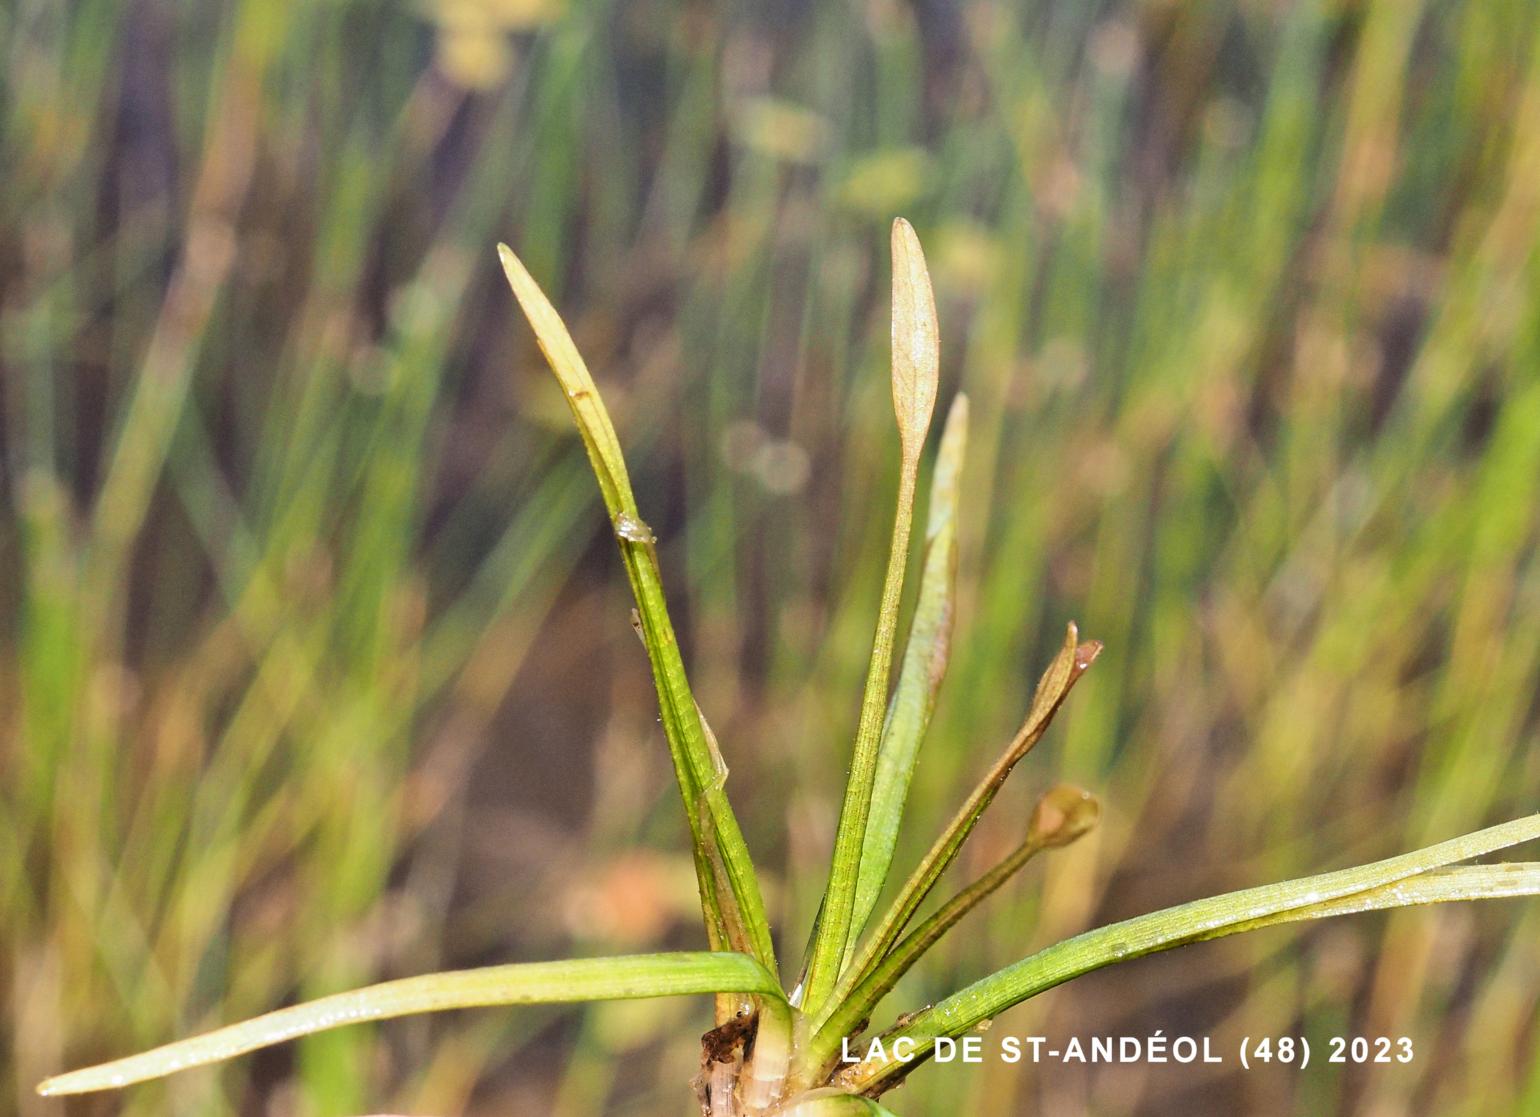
(1063, 815)
(1085, 654)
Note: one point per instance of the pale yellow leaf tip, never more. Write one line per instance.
(577, 384)
(550, 331)
(916, 339)
(954, 436)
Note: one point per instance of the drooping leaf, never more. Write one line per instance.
(1394, 882)
(588, 979)
(916, 360)
(730, 897)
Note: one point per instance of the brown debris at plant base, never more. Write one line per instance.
(722, 1044)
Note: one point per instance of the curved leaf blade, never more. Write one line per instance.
(1305, 898)
(588, 979)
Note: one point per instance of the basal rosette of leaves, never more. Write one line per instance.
(776, 1047)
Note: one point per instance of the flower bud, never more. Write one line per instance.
(1063, 815)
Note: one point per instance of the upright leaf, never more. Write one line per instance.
(921, 672)
(916, 360)
(730, 898)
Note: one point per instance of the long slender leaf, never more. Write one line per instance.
(921, 672)
(731, 902)
(1437, 886)
(588, 979)
(1071, 662)
(1362, 888)
(916, 362)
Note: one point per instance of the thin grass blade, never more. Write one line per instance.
(731, 901)
(916, 362)
(1437, 886)
(588, 979)
(1365, 887)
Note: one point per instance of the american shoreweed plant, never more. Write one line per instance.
(783, 1053)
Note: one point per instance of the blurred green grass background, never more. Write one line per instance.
(314, 656)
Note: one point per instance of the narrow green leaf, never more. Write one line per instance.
(1365, 887)
(921, 672)
(588, 979)
(1063, 815)
(731, 902)
(1071, 662)
(916, 360)
(1437, 886)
